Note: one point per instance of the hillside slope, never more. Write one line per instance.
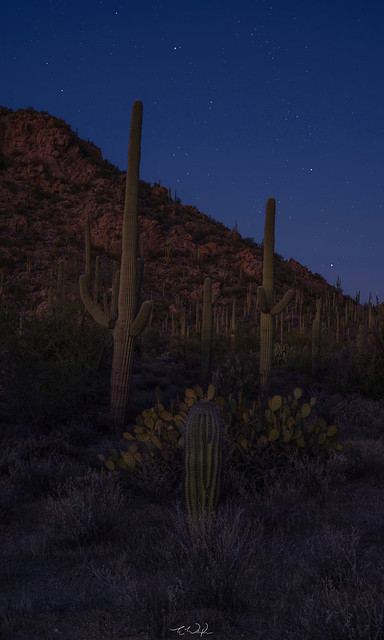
(51, 181)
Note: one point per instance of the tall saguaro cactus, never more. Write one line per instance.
(265, 298)
(129, 323)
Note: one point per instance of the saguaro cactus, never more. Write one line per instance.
(233, 321)
(203, 443)
(129, 323)
(206, 327)
(265, 298)
(316, 335)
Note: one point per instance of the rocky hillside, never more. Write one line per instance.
(51, 181)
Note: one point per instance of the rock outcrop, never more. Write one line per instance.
(51, 181)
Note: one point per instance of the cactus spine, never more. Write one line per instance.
(203, 443)
(129, 323)
(265, 298)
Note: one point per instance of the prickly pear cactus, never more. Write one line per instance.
(159, 432)
(259, 438)
(289, 421)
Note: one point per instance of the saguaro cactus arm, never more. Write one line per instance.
(97, 314)
(141, 320)
(284, 302)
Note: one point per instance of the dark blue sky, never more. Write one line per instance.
(242, 101)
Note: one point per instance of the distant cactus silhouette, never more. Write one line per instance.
(316, 335)
(265, 297)
(206, 328)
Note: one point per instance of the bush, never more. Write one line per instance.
(237, 372)
(255, 438)
(358, 367)
(47, 378)
(88, 509)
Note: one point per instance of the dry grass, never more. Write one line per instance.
(86, 555)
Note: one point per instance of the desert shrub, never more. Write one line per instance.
(336, 562)
(361, 416)
(344, 604)
(37, 477)
(297, 339)
(300, 362)
(282, 352)
(237, 372)
(87, 509)
(358, 367)
(46, 392)
(156, 602)
(246, 340)
(154, 480)
(221, 568)
(153, 341)
(47, 378)
(185, 348)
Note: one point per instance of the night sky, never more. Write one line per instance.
(242, 101)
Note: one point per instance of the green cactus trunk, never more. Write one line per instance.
(265, 297)
(203, 442)
(266, 349)
(125, 322)
(128, 324)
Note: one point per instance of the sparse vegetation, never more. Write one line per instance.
(95, 539)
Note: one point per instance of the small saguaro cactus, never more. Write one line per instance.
(206, 327)
(203, 444)
(265, 298)
(233, 321)
(128, 323)
(316, 335)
